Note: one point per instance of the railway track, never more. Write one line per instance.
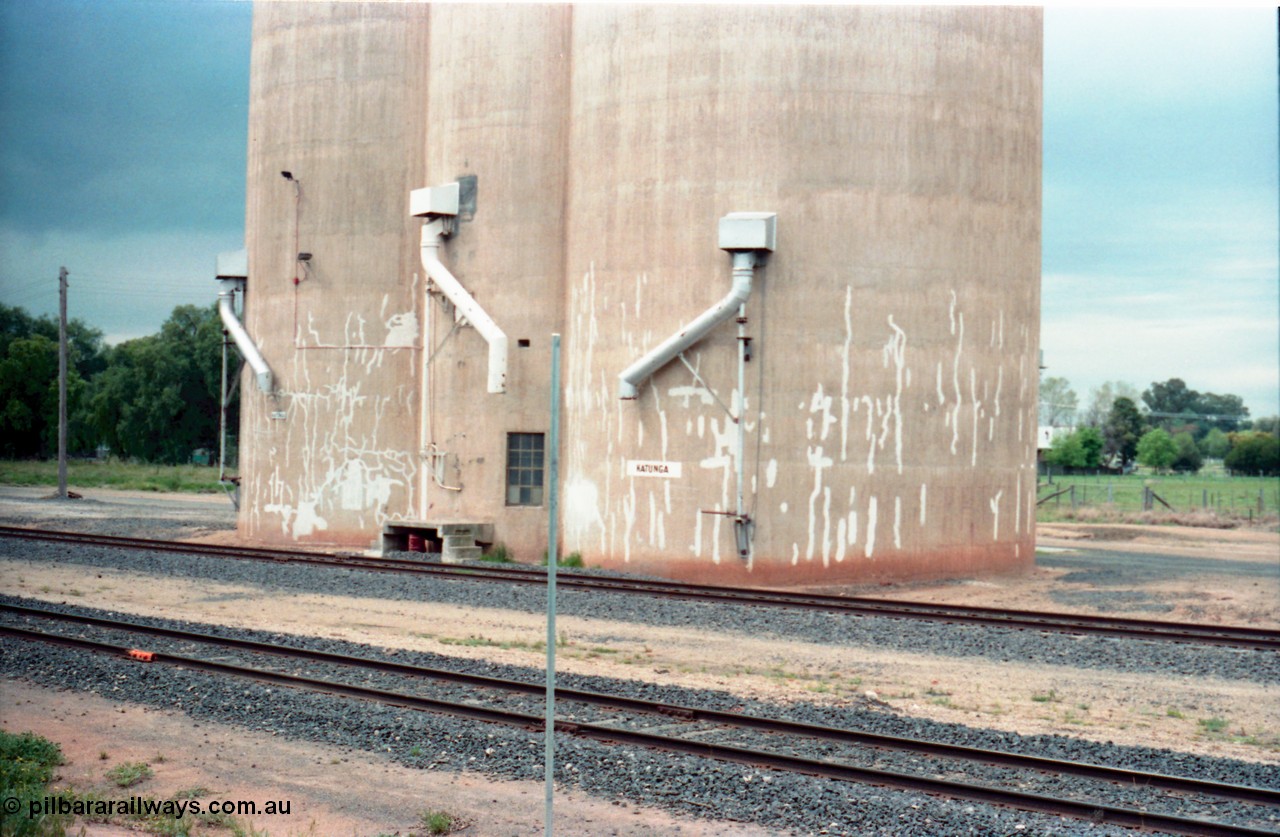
(1244, 637)
(724, 736)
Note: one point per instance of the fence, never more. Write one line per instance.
(1226, 496)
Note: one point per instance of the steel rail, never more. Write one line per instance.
(1235, 636)
(1016, 799)
(1121, 776)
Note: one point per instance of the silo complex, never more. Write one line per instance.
(869, 412)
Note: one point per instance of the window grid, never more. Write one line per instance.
(524, 469)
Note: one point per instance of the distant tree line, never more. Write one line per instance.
(1178, 429)
(154, 399)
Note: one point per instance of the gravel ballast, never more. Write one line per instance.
(693, 786)
(960, 641)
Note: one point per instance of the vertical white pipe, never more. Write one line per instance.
(741, 405)
(425, 461)
(222, 417)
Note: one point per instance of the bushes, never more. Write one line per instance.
(1080, 449)
(1254, 453)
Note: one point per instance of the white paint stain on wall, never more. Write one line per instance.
(895, 352)
(346, 474)
(581, 508)
(818, 462)
(844, 374)
(402, 330)
(874, 408)
(957, 330)
(872, 510)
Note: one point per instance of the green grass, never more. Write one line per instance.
(573, 560)
(498, 554)
(27, 765)
(1213, 725)
(474, 641)
(112, 473)
(437, 822)
(130, 773)
(1203, 493)
(26, 769)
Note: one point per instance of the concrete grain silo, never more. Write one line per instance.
(891, 326)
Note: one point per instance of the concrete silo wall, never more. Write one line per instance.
(337, 99)
(498, 96)
(889, 404)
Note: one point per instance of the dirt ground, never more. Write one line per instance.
(1213, 584)
(1178, 574)
(229, 763)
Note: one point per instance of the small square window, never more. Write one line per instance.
(524, 469)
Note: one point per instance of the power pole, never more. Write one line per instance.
(62, 383)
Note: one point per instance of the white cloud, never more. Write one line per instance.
(1214, 349)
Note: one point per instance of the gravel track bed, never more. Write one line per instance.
(961, 641)
(694, 786)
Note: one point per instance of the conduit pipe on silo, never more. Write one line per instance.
(744, 234)
(466, 304)
(226, 309)
(744, 263)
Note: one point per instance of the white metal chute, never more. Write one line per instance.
(232, 274)
(466, 304)
(666, 351)
(226, 309)
(746, 235)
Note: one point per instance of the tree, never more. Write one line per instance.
(1092, 443)
(1188, 458)
(1064, 451)
(1268, 424)
(84, 344)
(1254, 453)
(1101, 399)
(1079, 449)
(158, 398)
(28, 395)
(1215, 444)
(1224, 412)
(1175, 407)
(29, 383)
(1171, 398)
(1058, 402)
(1122, 430)
(1156, 449)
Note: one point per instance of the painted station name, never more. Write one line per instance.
(667, 470)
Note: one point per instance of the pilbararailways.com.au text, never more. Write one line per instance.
(138, 806)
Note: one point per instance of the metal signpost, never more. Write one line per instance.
(553, 557)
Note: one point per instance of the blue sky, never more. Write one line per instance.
(1160, 200)
(123, 132)
(122, 156)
